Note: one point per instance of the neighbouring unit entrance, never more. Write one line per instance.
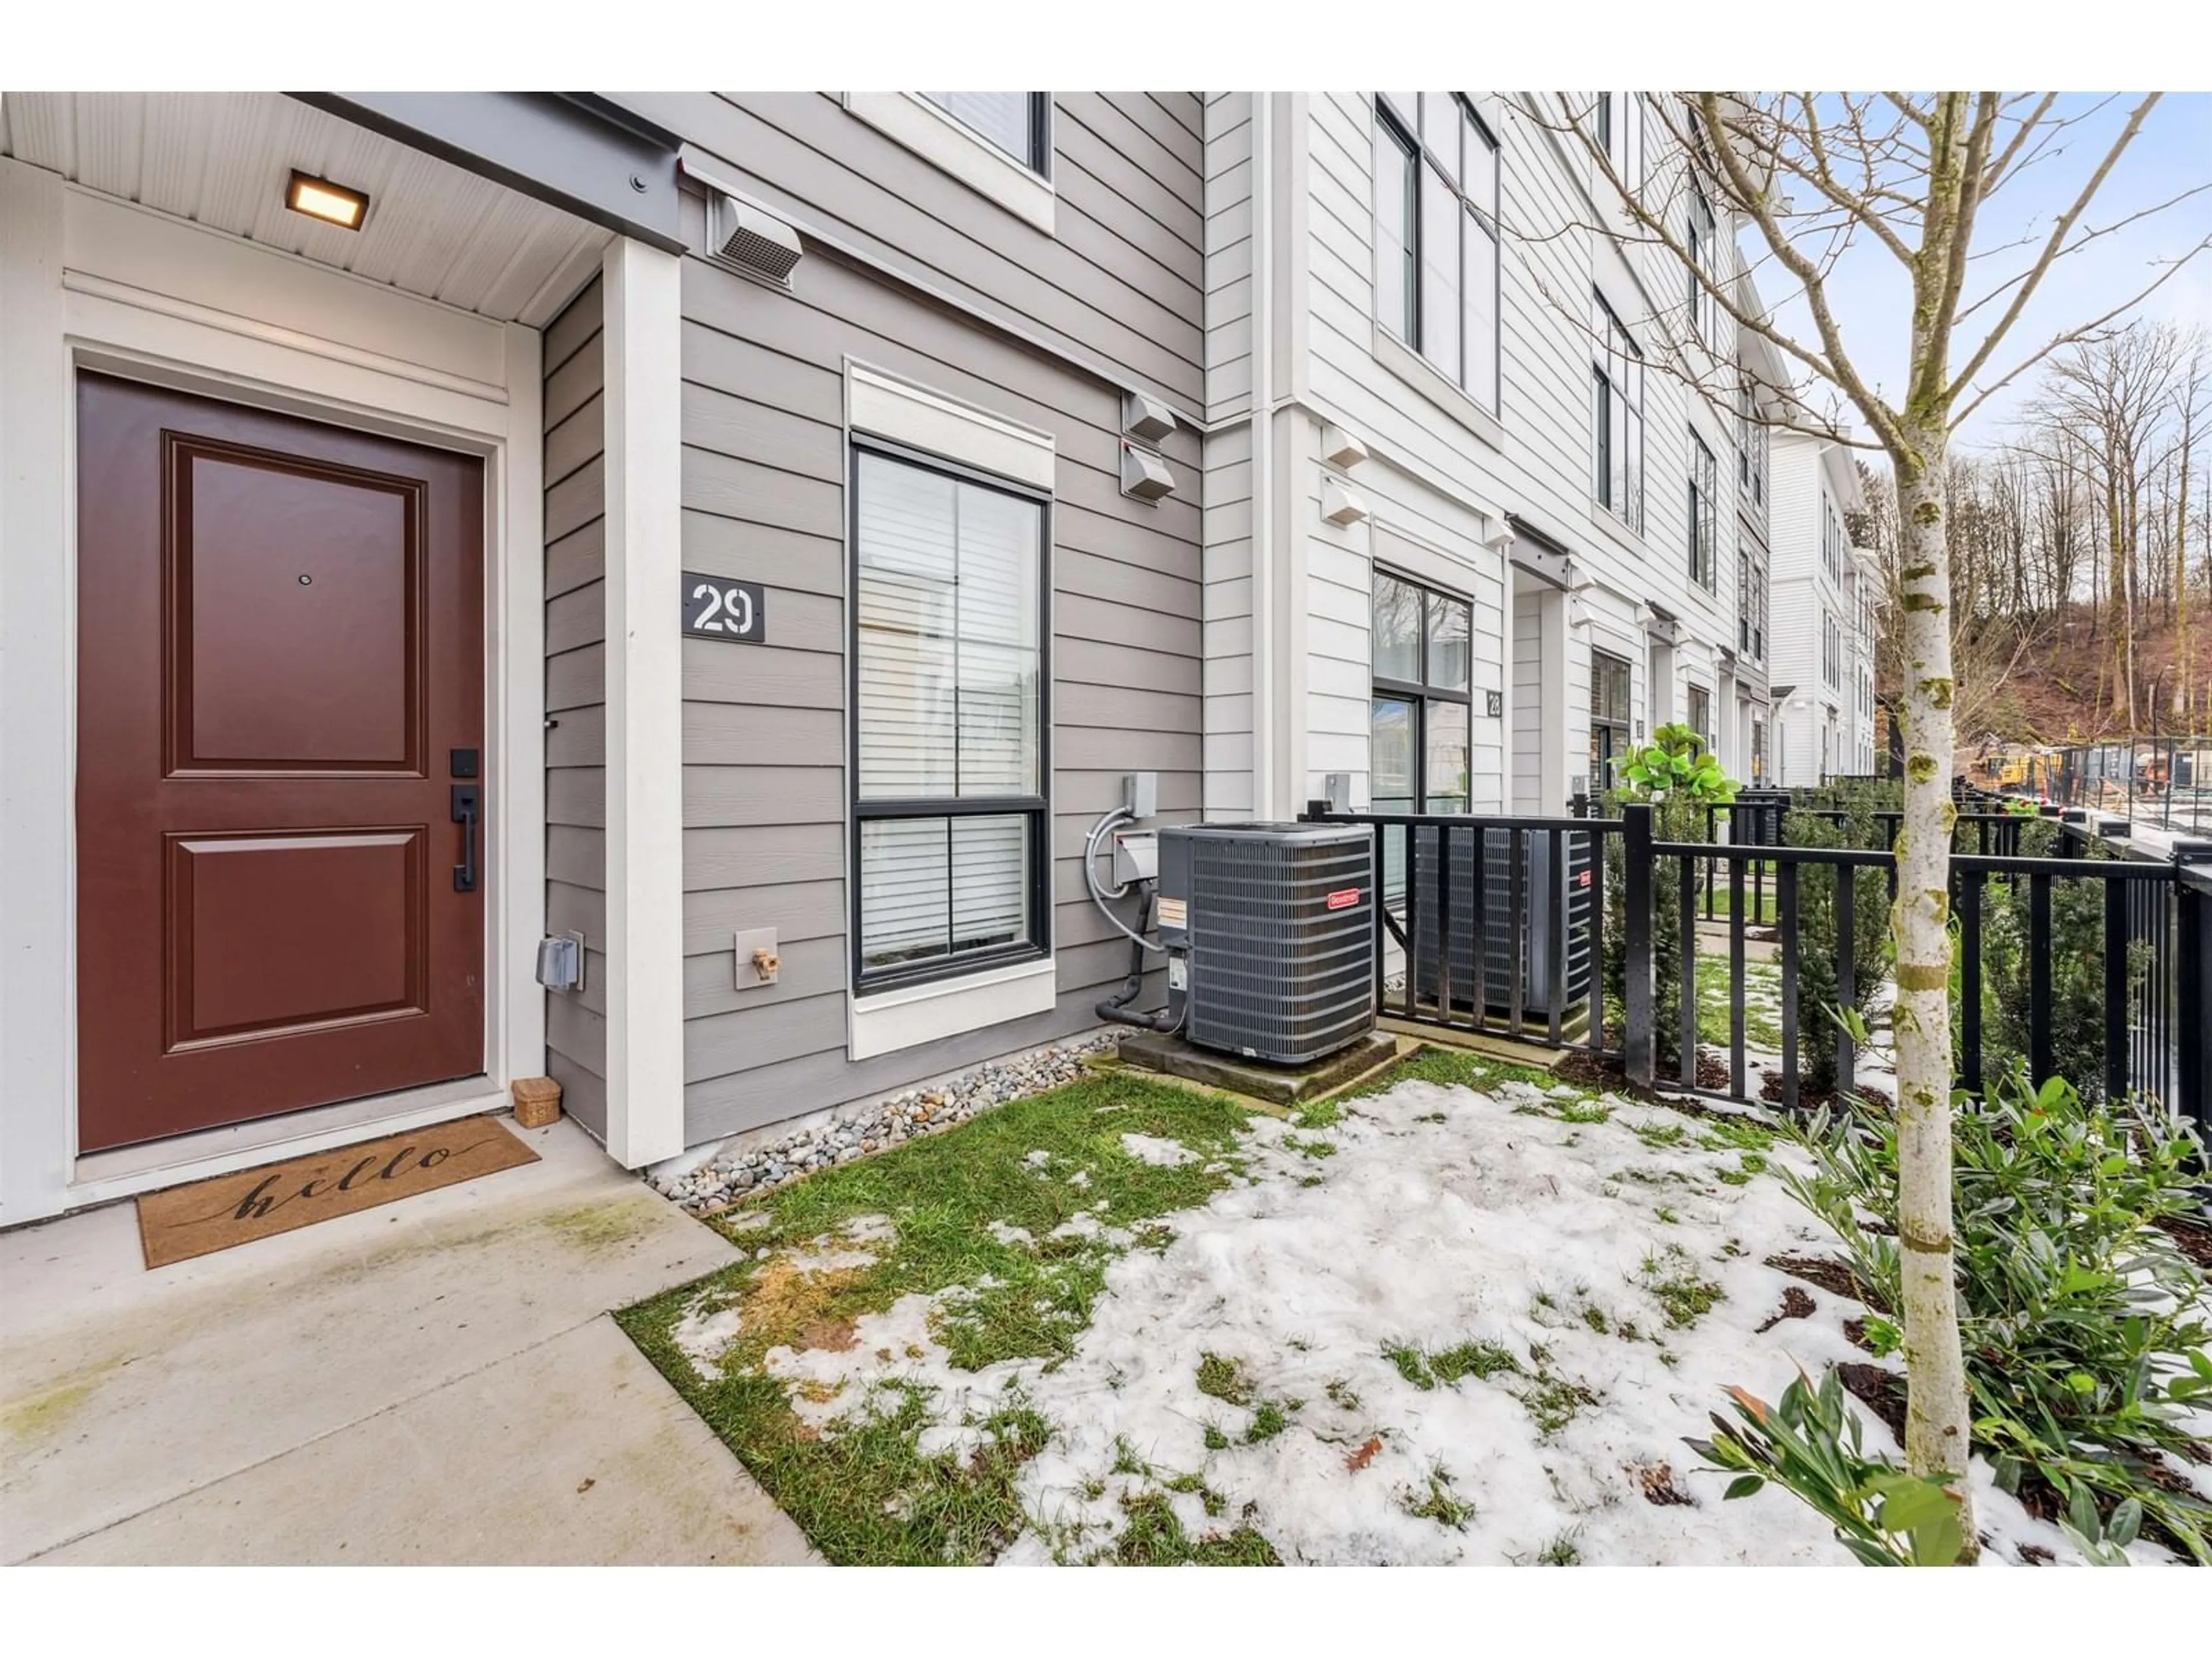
(279, 878)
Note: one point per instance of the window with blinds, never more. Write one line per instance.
(1014, 121)
(948, 719)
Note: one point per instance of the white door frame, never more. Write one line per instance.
(154, 298)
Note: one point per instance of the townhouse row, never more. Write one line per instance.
(719, 553)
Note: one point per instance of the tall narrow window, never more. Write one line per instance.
(1435, 235)
(1609, 704)
(948, 720)
(1701, 713)
(1617, 372)
(1703, 266)
(1420, 647)
(1017, 122)
(1703, 476)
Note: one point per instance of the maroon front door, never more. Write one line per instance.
(280, 731)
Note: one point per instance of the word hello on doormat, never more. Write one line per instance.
(234, 1209)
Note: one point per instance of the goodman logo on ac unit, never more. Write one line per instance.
(1344, 898)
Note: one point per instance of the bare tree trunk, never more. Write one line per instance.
(1936, 1423)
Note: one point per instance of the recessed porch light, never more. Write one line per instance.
(319, 198)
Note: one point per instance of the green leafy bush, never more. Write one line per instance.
(2076, 956)
(1810, 1443)
(1675, 762)
(2082, 1337)
(1819, 977)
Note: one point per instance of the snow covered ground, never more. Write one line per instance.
(1452, 1327)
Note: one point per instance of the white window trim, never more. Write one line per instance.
(905, 1018)
(885, 405)
(909, 119)
(1426, 377)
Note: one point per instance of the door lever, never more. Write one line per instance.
(467, 803)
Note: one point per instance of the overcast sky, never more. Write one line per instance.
(2173, 152)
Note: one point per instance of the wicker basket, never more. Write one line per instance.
(537, 1102)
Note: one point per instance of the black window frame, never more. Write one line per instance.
(1422, 692)
(1039, 159)
(1612, 340)
(1693, 694)
(1036, 809)
(1614, 729)
(1703, 235)
(1404, 129)
(1704, 515)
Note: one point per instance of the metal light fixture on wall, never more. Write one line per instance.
(319, 198)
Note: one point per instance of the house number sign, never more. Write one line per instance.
(717, 608)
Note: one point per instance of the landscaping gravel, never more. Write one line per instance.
(741, 1171)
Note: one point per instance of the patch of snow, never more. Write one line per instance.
(704, 1337)
(1006, 1234)
(1037, 1159)
(1158, 1153)
(1080, 1178)
(1547, 1240)
(870, 1229)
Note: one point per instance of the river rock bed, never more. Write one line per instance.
(741, 1171)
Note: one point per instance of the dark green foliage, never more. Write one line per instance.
(1679, 817)
(2077, 1313)
(1819, 982)
(2077, 968)
(1810, 1443)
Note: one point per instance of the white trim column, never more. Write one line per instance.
(645, 703)
(37, 716)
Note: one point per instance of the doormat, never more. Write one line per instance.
(216, 1213)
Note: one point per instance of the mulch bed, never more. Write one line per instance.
(1810, 1099)
(2194, 1238)
(1832, 1276)
(1795, 1305)
(1880, 1390)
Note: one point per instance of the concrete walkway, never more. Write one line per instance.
(434, 1381)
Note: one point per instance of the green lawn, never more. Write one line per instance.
(870, 1494)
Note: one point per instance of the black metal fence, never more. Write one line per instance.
(1508, 925)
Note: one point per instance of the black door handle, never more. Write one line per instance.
(467, 804)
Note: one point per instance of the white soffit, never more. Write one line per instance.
(222, 159)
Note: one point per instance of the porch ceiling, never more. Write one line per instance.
(222, 160)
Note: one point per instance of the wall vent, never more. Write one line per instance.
(754, 240)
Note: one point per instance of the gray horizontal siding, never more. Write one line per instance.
(576, 692)
(1117, 281)
(764, 797)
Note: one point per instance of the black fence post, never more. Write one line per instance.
(1637, 1047)
(2192, 982)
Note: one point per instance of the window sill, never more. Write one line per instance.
(886, 1021)
(1605, 520)
(1416, 372)
(921, 127)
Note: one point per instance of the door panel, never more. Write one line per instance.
(280, 644)
(297, 593)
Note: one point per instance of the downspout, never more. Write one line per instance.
(1264, 642)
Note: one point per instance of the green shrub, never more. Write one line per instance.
(1819, 981)
(1678, 819)
(2077, 968)
(2078, 1315)
(1810, 1443)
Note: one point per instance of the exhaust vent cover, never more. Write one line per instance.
(754, 241)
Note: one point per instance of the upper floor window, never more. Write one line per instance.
(1750, 604)
(1617, 124)
(1703, 254)
(1435, 235)
(1831, 540)
(1701, 714)
(1014, 121)
(1704, 474)
(1752, 440)
(1617, 373)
